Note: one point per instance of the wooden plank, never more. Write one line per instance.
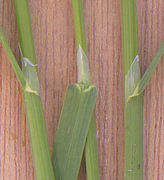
(151, 34)
(53, 30)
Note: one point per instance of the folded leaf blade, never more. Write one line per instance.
(72, 131)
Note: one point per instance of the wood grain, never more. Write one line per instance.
(53, 29)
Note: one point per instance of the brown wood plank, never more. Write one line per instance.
(53, 30)
(151, 34)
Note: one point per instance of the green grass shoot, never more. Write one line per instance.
(77, 113)
(91, 155)
(134, 86)
(29, 82)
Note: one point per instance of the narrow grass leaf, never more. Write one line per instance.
(91, 152)
(72, 131)
(15, 65)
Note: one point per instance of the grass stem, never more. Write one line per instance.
(91, 155)
(134, 87)
(34, 111)
(133, 151)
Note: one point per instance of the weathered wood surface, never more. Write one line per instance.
(53, 30)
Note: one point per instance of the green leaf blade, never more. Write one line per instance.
(72, 131)
(91, 153)
(13, 61)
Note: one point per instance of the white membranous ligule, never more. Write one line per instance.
(31, 76)
(132, 78)
(82, 66)
(26, 61)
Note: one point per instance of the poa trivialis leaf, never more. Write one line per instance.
(72, 131)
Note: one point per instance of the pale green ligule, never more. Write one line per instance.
(31, 76)
(132, 78)
(82, 66)
(91, 153)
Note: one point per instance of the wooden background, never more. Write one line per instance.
(53, 29)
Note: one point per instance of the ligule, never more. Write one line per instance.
(82, 66)
(132, 78)
(31, 76)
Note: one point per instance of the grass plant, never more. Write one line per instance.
(134, 86)
(76, 133)
(73, 119)
(28, 78)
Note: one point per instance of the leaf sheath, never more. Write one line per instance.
(133, 115)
